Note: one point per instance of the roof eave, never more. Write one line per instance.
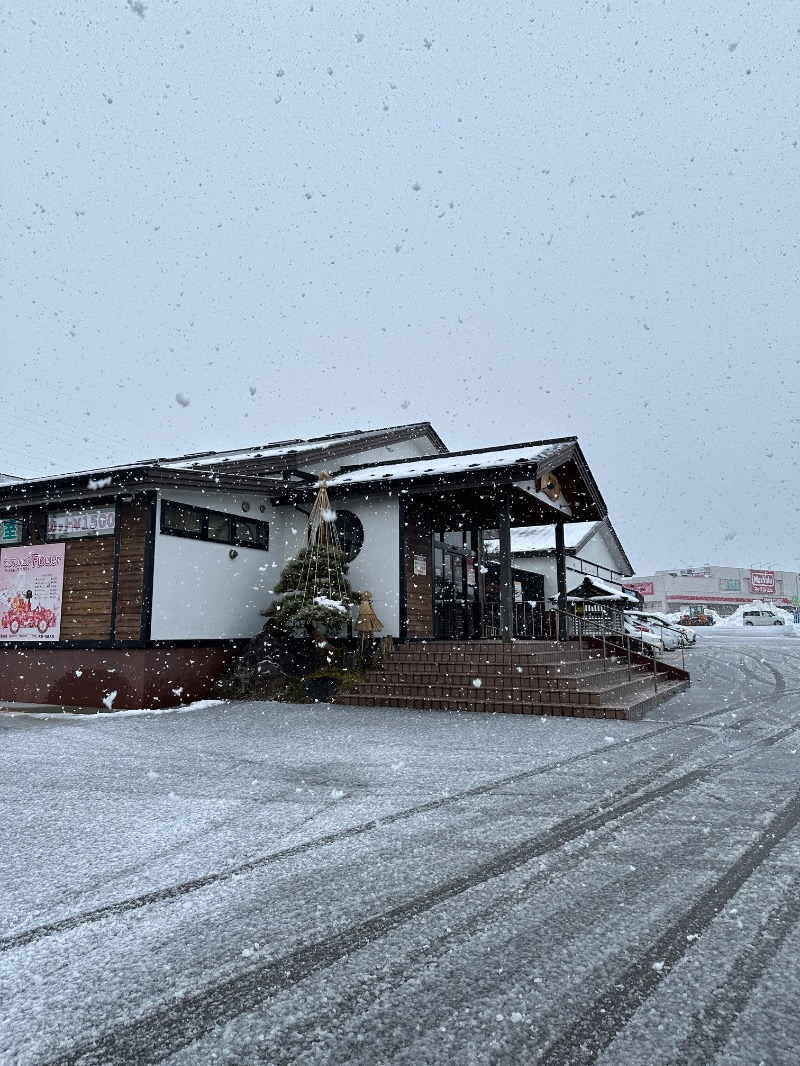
(121, 481)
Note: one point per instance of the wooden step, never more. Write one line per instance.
(534, 677)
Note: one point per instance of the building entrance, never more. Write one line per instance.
(455, 600)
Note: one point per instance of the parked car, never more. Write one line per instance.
(762, 618)
(27, 617)
(660, 622)
(643, 638)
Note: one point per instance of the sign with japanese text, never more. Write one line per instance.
(97, 522)
(644, 588)
(10, 530)
(762, 581)
(31, 589)
(420, 566)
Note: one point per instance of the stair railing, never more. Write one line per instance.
(576, 625)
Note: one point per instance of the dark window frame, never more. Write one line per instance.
(360, 538)
(205, 513)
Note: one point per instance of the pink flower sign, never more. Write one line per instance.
(31, 590)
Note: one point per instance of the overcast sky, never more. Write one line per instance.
(516, 221)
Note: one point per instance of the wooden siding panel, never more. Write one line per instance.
(88, 589)
(130, 581)
(419, 587)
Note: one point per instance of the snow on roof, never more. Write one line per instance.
(266, 451)
(543, 538)
(607, 592)
(456, 463)
(285, 450)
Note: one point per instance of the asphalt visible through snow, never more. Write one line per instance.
(266, 883)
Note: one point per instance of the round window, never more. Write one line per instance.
(351, 533)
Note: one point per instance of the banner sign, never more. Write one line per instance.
(644, 588)
(730, 584)
(99, 521)
(762, 581)
(31, 587)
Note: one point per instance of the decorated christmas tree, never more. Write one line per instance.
(313, 590)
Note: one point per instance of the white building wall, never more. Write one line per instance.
(199, 592)
(594, 551)
(377, 566)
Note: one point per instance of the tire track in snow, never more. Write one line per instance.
(179, 1021)
(712, 1026)
(163, 895)
(595, 1030)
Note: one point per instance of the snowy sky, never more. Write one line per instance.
(516, 221)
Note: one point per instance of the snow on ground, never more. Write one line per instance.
(736, 620)
(263, 882)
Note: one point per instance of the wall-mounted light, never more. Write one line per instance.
(126, 499)
(245, 506)
(263, 508)
(232, 553)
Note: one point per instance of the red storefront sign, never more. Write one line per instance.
(644, 588)
(762, 581)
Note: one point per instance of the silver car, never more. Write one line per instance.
(762, 618)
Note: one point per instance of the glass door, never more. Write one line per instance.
(454, 589)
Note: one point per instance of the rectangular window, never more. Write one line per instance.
(730, 584)
(185, 521)
(181, 520)
(249, 533)
(219, 528)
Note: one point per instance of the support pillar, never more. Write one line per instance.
(506, 581)
(403, 604)
(561, 581)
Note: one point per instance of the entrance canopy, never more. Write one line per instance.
(593, 590)
(545, 482)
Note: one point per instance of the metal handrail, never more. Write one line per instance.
(575, 621)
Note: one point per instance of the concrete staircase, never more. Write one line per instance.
(526, 677)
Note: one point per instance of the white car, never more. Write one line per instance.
(661, 622)
(761, 618)
(639, 631)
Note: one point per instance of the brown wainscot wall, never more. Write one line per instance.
(419, 587)
(141, 677)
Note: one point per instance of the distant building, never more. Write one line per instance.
(723, 588)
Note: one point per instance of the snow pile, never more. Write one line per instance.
(736, 620)
(731, 621)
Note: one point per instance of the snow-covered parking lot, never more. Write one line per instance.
(267, 883)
